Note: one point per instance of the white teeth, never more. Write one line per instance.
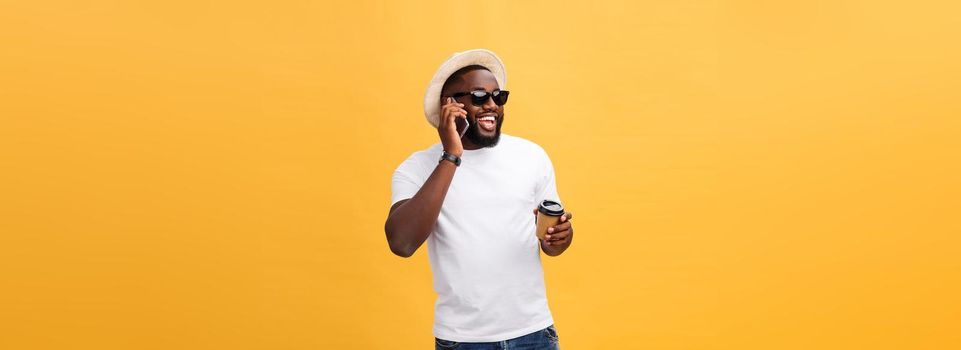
(487, 123)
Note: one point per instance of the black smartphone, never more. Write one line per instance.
(459, 122)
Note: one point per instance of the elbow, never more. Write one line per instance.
(402, 253)
(397, 246)
(401, 250)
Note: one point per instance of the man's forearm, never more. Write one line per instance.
(410, 223)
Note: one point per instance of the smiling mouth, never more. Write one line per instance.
(488, 123)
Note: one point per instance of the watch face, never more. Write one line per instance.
(450, 157)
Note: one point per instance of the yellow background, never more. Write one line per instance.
(744, 174)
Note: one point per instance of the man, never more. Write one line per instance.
(472, 197)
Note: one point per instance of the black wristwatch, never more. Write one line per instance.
(450, 157)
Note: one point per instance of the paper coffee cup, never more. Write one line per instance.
(548, 215)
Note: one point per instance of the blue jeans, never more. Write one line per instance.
(545, 339)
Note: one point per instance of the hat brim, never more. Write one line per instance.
(459, 60)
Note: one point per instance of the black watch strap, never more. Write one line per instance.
(450, 157)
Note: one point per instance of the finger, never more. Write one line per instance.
(453, 109)
(450, 101)
(567, 216)
(447, 122)
(448, 110)
(558, 228)
(557, 242)
(451, 113)
(558, 236)
(454, 112)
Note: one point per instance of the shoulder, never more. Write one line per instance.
(522, 145)
(426, 154)
(422, 160)
(517, 142)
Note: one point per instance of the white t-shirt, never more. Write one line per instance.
(483, 252)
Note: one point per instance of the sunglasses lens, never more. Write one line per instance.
(478, 98)
(500, 97)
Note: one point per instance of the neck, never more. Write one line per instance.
(468, 145)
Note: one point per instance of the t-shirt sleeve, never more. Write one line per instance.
(406, 181)
(547, 185)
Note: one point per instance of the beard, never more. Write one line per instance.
(474, 134)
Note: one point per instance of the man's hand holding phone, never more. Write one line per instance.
(450, 133)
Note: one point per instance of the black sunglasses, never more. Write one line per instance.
(479, 98)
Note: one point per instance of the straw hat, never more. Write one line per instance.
(459, 60)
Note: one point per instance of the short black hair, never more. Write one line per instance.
(460, 74)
